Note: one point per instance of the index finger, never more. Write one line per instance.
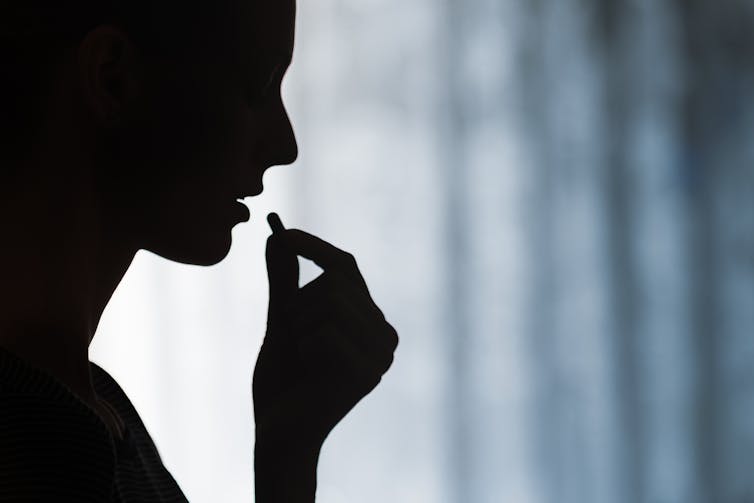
(322, 253)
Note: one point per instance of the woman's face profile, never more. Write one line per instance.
(205, 131)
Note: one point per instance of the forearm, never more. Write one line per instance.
(284, 472)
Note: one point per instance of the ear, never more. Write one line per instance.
(110, 73)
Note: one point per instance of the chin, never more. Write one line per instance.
(202, 249)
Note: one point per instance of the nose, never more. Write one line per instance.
(285, 146)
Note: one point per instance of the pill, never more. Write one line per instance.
(275, 223)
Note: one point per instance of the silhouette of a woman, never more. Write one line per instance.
(137, 124)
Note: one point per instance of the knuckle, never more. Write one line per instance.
(373, 379)
(392, 336)
(349, 259)
(388, 362)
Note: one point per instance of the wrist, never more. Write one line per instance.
(285, 470)
(299, 439)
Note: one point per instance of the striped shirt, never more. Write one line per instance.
(54, 447)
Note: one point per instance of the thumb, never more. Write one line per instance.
(282, 274)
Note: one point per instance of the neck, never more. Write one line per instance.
(60, 264)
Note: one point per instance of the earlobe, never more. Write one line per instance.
(109, 73)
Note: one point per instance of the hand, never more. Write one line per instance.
(327, 344)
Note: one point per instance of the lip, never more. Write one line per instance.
(240, 212)
(251, 193)
(238, 209)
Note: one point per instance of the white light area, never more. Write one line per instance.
(181, 340)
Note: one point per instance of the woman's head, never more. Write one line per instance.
(177, 104)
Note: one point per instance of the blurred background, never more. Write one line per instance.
(553, 203)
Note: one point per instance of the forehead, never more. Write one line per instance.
(267, 28)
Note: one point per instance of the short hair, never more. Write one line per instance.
(34, 33)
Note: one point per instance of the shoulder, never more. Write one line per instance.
(106, 385)
(52, 449)
(52, 446)
(109, 389)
